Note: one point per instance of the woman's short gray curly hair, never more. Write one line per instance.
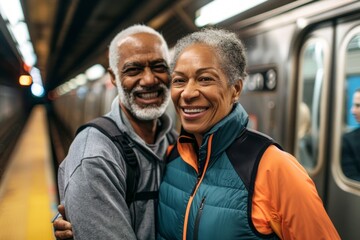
(137, 28)
(228, 47)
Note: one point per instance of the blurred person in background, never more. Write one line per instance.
(350, 158)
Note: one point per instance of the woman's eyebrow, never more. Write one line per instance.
(200, 70)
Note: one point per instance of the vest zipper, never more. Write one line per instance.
(198, 182)
(197, 219)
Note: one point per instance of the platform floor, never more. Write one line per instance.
(28, 189)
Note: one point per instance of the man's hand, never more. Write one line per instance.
(62, 228)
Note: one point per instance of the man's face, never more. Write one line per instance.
(144, 76)
(355, 109)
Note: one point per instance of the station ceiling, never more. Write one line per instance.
(71, 35)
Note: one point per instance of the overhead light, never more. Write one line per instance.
(20, 32)
(11, 12)
(37, 90)
(302, 23)
(25, 80)
(95, 72)
(36, 76)
(220, 10)
(80, 79)
(27, 52)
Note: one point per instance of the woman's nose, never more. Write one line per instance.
(190, 90)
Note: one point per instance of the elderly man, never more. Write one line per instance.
(92, 178)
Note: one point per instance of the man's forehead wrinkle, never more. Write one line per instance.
(132, 41)
(144, 63)
(137, 39)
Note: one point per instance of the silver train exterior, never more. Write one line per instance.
(11, 103)
(13, 115)
(303, 65)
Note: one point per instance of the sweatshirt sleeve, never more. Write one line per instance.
(94, 201)
(286, 201)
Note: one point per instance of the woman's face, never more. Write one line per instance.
(200, 90)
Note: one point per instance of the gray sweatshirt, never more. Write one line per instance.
(92, 182)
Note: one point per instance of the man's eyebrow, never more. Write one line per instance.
(139, 64)
(132, 64)
(157, 61)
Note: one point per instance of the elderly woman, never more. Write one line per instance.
(215, 186)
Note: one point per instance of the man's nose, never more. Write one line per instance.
(148, 78)
(353, 110)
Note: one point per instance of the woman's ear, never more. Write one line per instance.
(237, 90)
(112, 77)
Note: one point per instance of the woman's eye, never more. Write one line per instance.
(205, 79)
(177, 80)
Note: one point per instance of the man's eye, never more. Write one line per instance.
(160, 68)
(132, 71)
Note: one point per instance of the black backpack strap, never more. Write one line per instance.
(172, 136)
(173, 151)
(245, 154)
(172, 154)
(108, 127)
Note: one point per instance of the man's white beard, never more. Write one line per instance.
(149, 112)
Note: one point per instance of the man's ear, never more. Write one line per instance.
(112, 76)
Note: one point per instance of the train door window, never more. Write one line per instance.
(350, 139)
(310, 115)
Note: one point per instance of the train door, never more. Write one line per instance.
(344, 187)
(312, 104)
(328, 74)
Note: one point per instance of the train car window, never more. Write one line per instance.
(10, 103)
(350, 139)
(310, 94)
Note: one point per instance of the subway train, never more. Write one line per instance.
(303, 67)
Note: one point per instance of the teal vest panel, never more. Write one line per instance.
(176, 188)
(219, 209)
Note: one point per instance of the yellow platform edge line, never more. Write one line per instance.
(28, 191)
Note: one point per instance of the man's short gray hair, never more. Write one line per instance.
(228, 47)
(138, 28)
